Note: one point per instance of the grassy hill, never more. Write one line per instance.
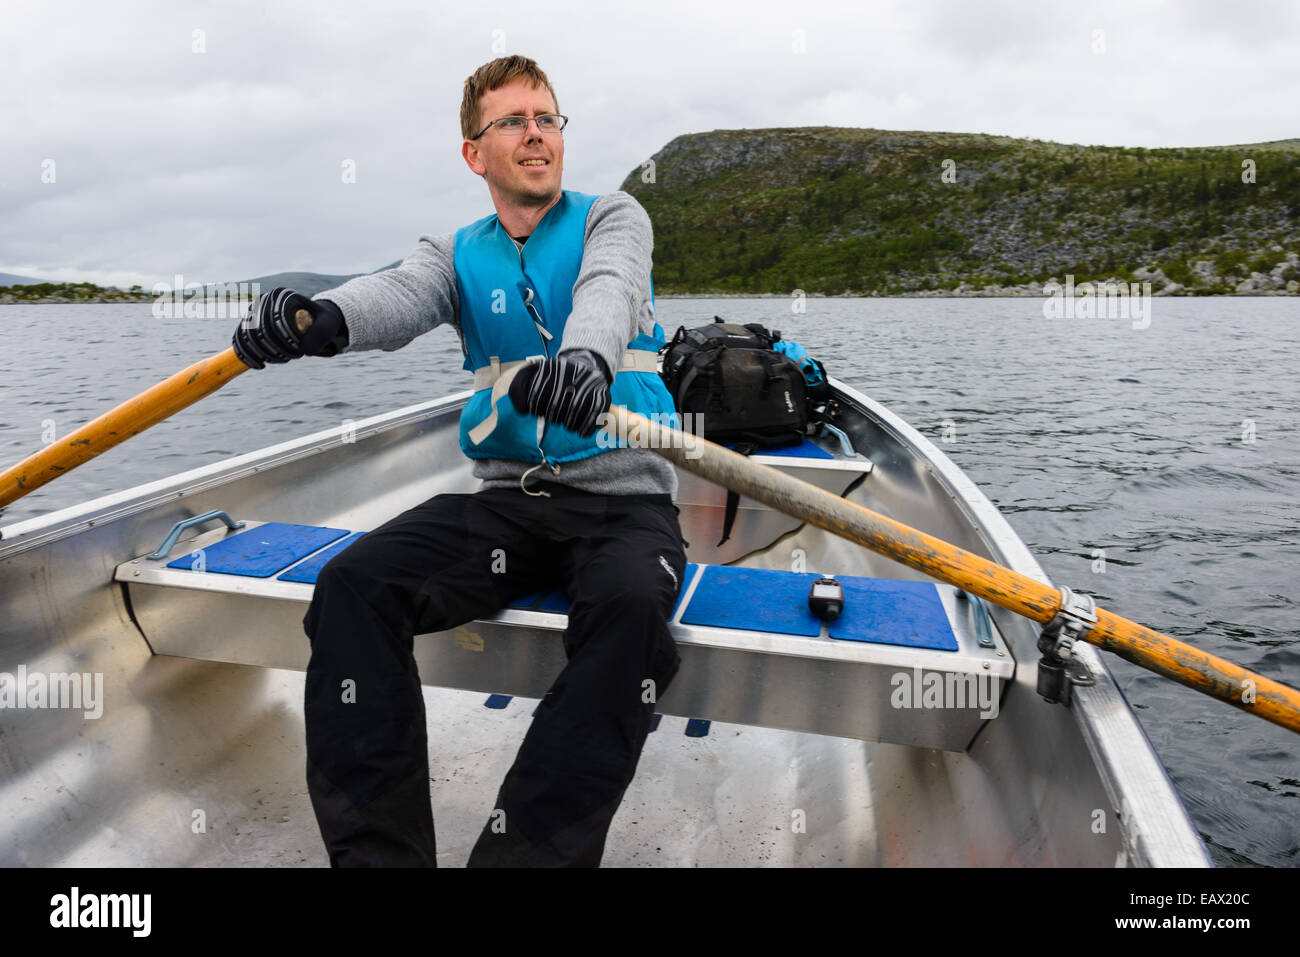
(69, 292)
(835, 211)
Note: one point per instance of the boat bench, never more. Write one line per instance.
(702, 504)
(907, 662)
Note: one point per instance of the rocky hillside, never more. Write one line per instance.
(850, 211)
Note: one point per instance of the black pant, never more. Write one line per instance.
(450, 560)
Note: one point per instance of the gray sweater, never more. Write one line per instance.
(611, 304)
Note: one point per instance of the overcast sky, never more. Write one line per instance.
(227, 163)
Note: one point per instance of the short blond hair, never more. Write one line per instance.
(493, 76)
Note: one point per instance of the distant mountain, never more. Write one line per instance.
(858, 211)
(9, 279)
(308, 283)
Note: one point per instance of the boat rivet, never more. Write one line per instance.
(137, 573)
(986, 665)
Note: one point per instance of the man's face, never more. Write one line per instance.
(510, 163)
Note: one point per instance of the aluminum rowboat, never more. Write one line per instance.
(775, 748)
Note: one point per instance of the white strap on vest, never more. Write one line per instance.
(640, 360)
(634, 360)
(487, 376)
(498, 375)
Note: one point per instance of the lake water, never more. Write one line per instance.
(1173, 449)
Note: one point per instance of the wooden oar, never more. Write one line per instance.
(1165, 656)
(130, 418)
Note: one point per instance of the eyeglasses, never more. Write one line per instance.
(516, 125)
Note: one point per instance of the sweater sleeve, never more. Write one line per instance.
(611, 298)
(386, 310)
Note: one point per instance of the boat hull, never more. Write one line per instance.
(201, 763)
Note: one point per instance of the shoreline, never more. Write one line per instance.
(949, 294)
(924, 294)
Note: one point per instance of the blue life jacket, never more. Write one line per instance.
(513, 305)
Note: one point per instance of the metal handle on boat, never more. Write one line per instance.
(165, 548)
(979, 612)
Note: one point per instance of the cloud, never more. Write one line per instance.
(211, 140)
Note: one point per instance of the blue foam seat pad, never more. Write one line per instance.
(697, 727)
(890, 612)
(525, 601)
(755, 599)
(804, 450)
(309, 570)
(558, 601)
(552, 600)
(261, 552)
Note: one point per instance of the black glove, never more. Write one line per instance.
(571, 390)
(269, 333)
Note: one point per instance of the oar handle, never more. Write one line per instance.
(938, 559)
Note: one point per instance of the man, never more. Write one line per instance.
(557, 275)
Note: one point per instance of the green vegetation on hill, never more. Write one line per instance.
(71, 292)
(835, 211)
